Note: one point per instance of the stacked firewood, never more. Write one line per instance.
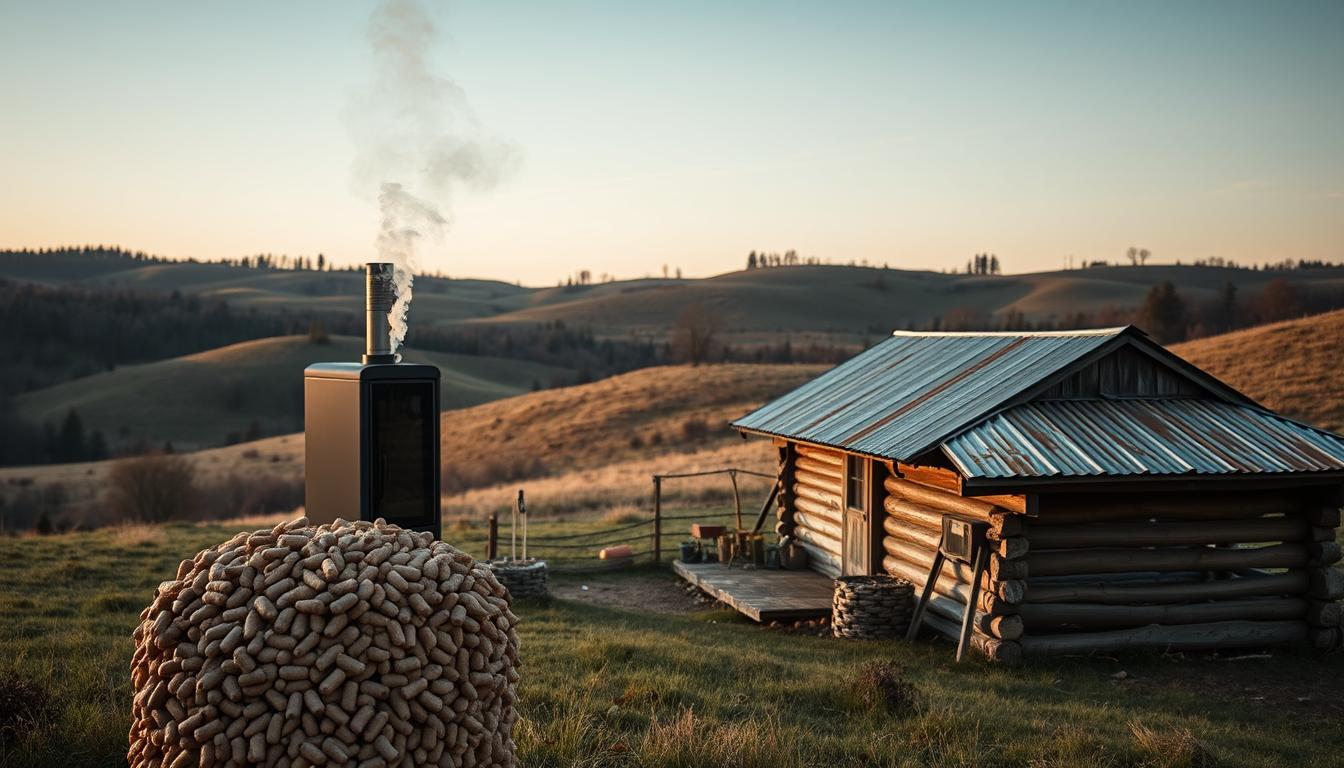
(871, 607)
(523, 578)
(349, 643)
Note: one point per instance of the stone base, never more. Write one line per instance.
(523, 578)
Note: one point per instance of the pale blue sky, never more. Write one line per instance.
(690, 133)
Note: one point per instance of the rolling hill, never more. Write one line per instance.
(633, 415)
(198, 400)
(1294, 367)
(840, 304)
(678, 413)
(603, 440)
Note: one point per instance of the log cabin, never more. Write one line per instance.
(1132, 499)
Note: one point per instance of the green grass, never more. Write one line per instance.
(608, 687)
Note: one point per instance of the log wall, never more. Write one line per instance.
(1104, 572)
(784, 495)
(910, 532)
(1178, 571)
(816, 483)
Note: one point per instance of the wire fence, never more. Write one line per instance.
(644, 537)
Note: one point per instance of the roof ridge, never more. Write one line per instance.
(1113, 331)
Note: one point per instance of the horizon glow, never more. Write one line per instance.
(688, 135)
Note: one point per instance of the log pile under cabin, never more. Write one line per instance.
(1131, 500)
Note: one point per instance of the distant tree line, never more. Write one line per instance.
(114, 257)
(789, 258)
(24, 443)
(61, 333)
(983, 264)
(130, 259)
(1165, 314)
(1138, 257)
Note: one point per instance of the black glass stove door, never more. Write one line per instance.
(401, 453)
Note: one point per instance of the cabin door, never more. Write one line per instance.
(856, 547)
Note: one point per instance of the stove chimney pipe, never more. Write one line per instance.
(379, 295)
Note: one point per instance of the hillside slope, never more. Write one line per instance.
(197, 400)
(1294, 367)
(629, 416)
(656, 419)
(839, 304)
(852, 304)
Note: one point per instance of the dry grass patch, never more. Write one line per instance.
(1170, 748)
(25, 708)
(246, 522)
(627, 485)
(882, 686)
(625, 514)
(1073, 745)
(597, 424)
(136, 534)
(685, 740)
(1292, 367)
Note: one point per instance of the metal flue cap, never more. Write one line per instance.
(379, 295)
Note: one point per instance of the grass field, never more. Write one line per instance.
(610, 686)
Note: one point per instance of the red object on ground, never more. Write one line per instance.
(616, 552)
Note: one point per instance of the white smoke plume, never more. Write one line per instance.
(418, 142)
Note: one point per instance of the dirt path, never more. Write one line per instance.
(634, 590)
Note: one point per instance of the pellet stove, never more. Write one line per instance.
(372, 429)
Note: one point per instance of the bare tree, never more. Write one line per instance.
(1278, 300)
(698, 325)
(1144, 253)
(152, 488)
(1133, 255)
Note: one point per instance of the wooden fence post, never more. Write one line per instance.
(492, 545)
(737, 499)
(657, 520)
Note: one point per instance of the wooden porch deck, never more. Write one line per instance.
(761, 594)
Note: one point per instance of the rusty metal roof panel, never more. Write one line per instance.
(912, 390)
(1108, 438)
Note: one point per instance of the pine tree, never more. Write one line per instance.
(1163, 314)
(71, 445)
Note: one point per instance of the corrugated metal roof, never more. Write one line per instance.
(911, 391)
(1080, 438)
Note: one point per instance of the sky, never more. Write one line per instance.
(687, 134)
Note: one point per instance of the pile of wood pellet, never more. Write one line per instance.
(871, 607)
(356, 644)
(523, 578)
